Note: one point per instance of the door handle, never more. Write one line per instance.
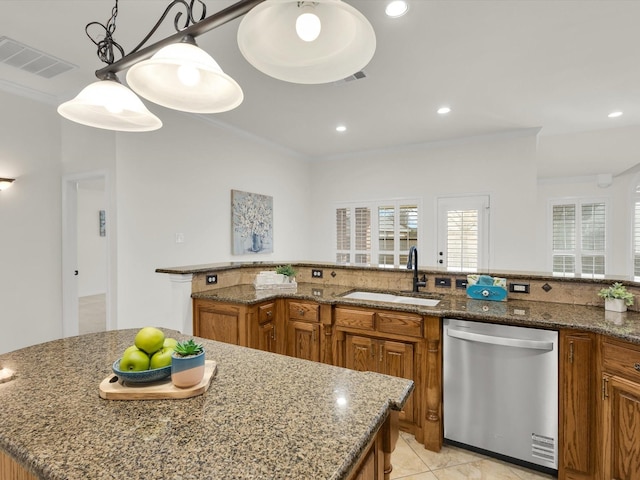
(75, 273)
(504, 341)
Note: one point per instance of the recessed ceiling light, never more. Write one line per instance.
(341, 128)
(444, 110)
(397, 8)
(615, 114)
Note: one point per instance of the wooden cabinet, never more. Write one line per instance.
(578, 426)
(382, 356)
(268, 334)
(302, 340)
(220, 321)
(303, 330)
(620, 410)
(386, 342)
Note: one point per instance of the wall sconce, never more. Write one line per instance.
(308, 42)
(6, 183)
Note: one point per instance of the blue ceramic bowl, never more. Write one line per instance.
(144, 376)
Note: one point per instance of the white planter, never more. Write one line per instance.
(615, 305)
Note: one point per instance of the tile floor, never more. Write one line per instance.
(411, 461)
(92, 314)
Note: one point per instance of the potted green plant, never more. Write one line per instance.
(187, 364)
(288, 271)
(616, 297)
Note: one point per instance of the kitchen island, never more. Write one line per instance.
(265, 416)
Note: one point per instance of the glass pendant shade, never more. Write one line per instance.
(184, 77)
(268, 40)
(110, 105)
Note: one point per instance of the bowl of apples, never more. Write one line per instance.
(148, 360)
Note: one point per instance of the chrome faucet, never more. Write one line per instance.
(412, 262)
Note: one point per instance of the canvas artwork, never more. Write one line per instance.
(252, 222)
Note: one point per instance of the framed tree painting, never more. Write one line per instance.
(252, 223)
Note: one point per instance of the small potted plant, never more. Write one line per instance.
(187, 364)
(616, 297)
(288, 271)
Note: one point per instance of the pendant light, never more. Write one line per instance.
(273, 38)
(110, 105)
(184, 77)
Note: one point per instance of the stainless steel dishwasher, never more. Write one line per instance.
(501, 391)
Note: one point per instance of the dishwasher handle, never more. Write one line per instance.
(504, 341)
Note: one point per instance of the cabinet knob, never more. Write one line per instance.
(269, 313)
(301, 312)
(637, 367)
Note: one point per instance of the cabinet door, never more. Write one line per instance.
(360, 354)
(621, 427)
(396, 358)
(217, 322)
(578, 383)
(267, 336)
(303, 340)
(382, 356)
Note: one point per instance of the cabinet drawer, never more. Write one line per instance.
(266, 312)
(304, 311)
(346, 317)
(621, 359)
(400, 324)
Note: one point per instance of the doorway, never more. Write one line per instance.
(86, 253)
(463, 233)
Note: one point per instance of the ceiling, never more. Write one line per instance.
(505, 65)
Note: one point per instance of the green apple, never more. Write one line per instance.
(134, 361)
(149, 339)
(130, 349)
(170, 342)
(162, 358)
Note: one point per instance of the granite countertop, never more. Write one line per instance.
(265, 416)
(625, 326)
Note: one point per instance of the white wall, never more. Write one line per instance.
(179, 180)
(502, 166)
(92, 248)
(30, 232)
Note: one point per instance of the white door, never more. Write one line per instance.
(463, 233)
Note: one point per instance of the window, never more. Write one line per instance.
(463, 233)
(579, 238)
(394, 224)
(636, 234)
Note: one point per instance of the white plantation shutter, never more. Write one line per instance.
(393, 225)
(579, 238)
(636, 234)
(564, 238)
(343, 235)
(462, 240)
(363, 235)
(593, 238)
(386, 235)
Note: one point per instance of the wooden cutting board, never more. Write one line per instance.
(112, 388)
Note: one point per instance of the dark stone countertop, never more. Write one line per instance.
(624, 326)
(265, 416)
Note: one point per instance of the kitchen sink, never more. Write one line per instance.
(390, 298)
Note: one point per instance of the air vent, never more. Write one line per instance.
(31, 60)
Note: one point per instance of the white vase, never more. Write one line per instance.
(615, 305)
